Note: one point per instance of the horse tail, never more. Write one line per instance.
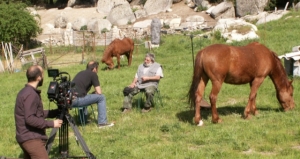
(198, 70)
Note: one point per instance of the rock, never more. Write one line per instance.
(121, 15)
(157, 6)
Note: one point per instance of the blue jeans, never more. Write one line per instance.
(91, 99)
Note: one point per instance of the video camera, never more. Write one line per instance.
(61, 90)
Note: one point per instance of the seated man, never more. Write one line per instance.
(146, 79)
(84, 80)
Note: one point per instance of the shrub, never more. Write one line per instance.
(20, 27)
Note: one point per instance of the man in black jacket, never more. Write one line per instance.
(30, 117)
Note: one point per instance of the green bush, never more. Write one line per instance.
(20, 27)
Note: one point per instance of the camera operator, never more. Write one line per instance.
(84, 80)
(30, 117)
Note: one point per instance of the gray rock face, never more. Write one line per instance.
(121, 15)
(155, 31)
(246, 7)
(61, 22)
(223, 10)
(297, 6)
(105, 6)
(157, 6)
(78, 23)
(97, 25)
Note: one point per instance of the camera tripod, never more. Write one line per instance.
(64, 140)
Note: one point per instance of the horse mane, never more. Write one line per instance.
(107, 52)
(279, 69)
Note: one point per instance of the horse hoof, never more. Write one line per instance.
(255, 112)
(217, 121)
(200, 123)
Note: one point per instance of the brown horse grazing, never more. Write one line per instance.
(117, 48)
(238, 65)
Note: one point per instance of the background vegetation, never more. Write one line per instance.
(169, 132)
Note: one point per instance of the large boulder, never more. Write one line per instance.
(245, 7)
(157, 6)
(230, 29)
(223, 10)
(297, 6)
(61, 21)
(121, 15)
(105, 6)
(272, 16)
(78, 23)
(98, 25)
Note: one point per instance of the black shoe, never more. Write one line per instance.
(100, 126)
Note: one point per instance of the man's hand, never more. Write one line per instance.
(145, 78)
(57, 123)
(131, 85)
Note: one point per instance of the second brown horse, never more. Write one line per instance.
(238, 65)
(117, 48)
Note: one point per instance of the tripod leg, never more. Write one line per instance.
(79, 137)
(51, 139)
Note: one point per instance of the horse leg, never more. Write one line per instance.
(216, 87)
(199, 95)
(118, 60)
(129, 57)
(251, 105)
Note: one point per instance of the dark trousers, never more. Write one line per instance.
(130, 92)
(34, 149)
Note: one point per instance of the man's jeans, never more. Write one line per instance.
(149, 91)
(91, 99)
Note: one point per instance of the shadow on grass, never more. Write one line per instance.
(187, 116)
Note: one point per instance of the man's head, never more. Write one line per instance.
(149, 59)
(93, 66)
(35, 74)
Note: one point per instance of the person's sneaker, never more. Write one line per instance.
(126, 110)
(146, 109)
(100, 126)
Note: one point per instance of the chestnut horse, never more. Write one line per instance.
(117, 48)
(238, 65)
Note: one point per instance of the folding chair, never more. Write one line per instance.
(80, 112)
(157, 100)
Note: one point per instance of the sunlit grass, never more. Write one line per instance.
(169, 132)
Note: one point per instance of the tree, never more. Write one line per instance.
(17, 25)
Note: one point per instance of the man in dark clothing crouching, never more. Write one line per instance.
(30, 117)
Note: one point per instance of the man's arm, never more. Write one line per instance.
(133, 82)
(98, 90)
(153, 78)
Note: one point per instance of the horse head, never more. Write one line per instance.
(109, 62)
(285, 97)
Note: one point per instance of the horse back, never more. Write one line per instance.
(237, 65)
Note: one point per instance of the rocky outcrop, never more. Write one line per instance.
(121, 14)
(157, 6)
(98, 25)
(229, 29)
(246, 7)
(105, 6)
(223, 10)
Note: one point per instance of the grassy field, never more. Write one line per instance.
(169, 132)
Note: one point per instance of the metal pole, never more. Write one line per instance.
(191, 36)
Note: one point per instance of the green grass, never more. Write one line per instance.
(169, 132)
